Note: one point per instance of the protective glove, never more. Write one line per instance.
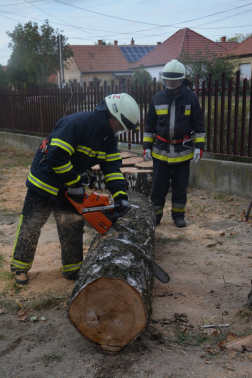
(123, 209)
(147, 154)
(198, 152)
(77, 190)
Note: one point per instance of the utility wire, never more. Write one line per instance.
(220, 19)
(7, 5)
(66, 23)
(146, 23)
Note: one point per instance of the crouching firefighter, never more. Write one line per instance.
(77, 143)
(174, 114)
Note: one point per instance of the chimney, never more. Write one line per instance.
(158, 43)
(115, 43)
(99, 42)
(223, 39)
(132, 42)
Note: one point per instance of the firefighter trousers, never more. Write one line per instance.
(70, 226)
(178, 174)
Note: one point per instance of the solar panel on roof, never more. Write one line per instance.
(134, 53)
(123, 49)
(131, 60)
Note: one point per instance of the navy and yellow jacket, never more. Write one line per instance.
(77, 143)
(174, 117)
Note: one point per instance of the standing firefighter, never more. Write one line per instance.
(77, 143)
(174, 113)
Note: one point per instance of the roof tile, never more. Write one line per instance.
(243, 48)
(184, 39)
(99, 58)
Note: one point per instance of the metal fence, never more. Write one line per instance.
(227, 109)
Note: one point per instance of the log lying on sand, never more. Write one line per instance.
(110, 304)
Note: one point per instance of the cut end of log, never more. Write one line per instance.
(132, 161)
(109, 312)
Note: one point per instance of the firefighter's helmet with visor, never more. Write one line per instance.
(174, 70)
(123, 107)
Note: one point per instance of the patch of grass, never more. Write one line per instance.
(46, 300)
(1, 260)
(244, 313)
(2, 337)
(186, 337)
(231, 236)
(166, 240)
(12, 157)
(10, 305)
(6, 276)
(205, 272)
(219, 196)
(47, 358)
(13, 213)
(246, 332)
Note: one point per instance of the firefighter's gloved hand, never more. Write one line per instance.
(77, 190)
(198, 152)
(122, 209)
(147, 154)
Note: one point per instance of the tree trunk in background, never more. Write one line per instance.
(111, 300)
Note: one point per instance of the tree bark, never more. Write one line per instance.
(110, 304)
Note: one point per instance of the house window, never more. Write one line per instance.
(245, 69)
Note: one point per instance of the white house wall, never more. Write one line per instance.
(154, 71)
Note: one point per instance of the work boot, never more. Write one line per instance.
(158, 219)
(71, 276)
(21, 278)
(179, 222)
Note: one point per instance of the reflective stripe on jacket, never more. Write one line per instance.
(174, 117)
(78, 142)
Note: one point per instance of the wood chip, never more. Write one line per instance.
(240, 344)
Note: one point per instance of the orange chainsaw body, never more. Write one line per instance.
(97, 219)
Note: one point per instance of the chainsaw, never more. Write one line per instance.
(96, 209)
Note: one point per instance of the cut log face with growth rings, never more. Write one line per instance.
(110, 304)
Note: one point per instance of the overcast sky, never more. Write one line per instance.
(147, 21)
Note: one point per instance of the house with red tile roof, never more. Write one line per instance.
(242, 52)
(106, 62)
(185, 40)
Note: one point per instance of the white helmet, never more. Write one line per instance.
(125, 109)
(174, 70)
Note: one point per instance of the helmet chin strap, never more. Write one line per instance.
(172, 88)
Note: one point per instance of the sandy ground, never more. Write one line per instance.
(209, 263)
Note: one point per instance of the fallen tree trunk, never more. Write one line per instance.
(110, 304)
